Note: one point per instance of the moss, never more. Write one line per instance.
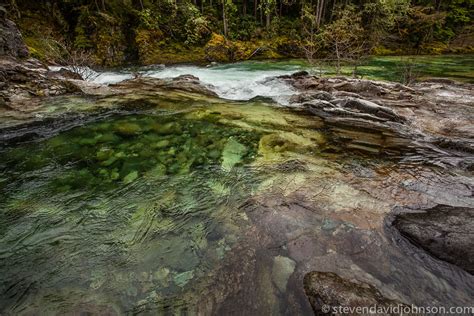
(435, 48)
(219, 48)
(154, 48)
(110, 47)
(384, 51)
(273, 145)
(129, 178)
(82, 40)
(232, 154)
(128, 129)
(45, 49)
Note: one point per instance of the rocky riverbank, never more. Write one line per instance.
(428, 123)
(347, 164)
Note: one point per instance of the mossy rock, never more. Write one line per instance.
(232, 154)
(128, 129)
(167, 128)
(284, 142)
(129, 178)
(219, 49)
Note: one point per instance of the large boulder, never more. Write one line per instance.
(327, 292)
(445, 232)
(186, 83)
(11, 42)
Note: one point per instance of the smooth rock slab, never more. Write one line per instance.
(446, 232)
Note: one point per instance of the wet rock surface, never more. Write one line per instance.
(184, 83)
(23, 78)
(445, 232)
(313, 205)
(25, 82)
(328, 290)
(390, 118)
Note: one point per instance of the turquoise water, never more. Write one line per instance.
(130, 210)
(249, 79)
(390, 68)
(137, 213)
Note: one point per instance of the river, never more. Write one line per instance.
(194, 205)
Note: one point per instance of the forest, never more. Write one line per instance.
(118, 32)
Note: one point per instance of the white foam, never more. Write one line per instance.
(234, 82)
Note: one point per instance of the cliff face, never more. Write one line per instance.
(11, 42)
(22, 77)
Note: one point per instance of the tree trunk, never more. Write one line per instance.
(332, 10)
(244, 7)
(321, 12)
(255, 7)
(224, 18)
(267, 20)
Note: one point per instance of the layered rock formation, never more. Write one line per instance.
(23, 80)
(389, 118)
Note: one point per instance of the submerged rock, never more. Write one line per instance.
(327, 290)
(183, 278)
(445, 232)
(283, 268)
(232, 154)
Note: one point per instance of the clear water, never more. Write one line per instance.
(132, 208)
(193, 206)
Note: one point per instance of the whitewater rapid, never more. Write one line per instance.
(239, 81)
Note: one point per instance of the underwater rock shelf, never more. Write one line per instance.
(156, 196)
